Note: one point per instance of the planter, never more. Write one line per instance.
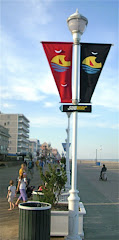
(59, 222)
(34, 221)
(37, 196)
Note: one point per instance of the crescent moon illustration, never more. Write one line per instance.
(94, 53)
(58, 51)
(63, 85)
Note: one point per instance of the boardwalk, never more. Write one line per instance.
(101, 200)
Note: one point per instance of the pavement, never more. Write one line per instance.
(101, 201)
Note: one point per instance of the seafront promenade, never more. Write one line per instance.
(101, 200)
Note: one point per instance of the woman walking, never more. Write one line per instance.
(22, 182)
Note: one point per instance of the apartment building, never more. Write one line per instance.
(34, 147)
(4, 140)
(18, 126)
(56, 153)
(45, 149)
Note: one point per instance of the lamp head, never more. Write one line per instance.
(77, 23)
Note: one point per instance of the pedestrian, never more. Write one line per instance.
(11, 194)
(25, 162)
(30, 168)
(22, 169)
(104, 169)
(22, 182)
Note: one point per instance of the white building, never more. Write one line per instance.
(34, 147)
(18, 126)
(4, 140)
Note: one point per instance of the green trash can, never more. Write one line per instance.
(34, 221)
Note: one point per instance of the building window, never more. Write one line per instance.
(5, 124)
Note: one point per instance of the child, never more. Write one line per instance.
(22, 169)
(22, 187)
(11, 194)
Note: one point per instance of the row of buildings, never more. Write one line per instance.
(14, 138)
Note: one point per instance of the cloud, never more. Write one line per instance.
(98, 123)
(8, 105)
(106, 92)
(21, 78)
(33, 19)
(46, 84)
(60, 120)
(47, 121)
(25, 93)
(49, 104)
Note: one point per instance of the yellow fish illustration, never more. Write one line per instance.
(90, 61)
(60, 60)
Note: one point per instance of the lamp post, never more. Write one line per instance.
(67, 152)
(76, 24)
(100, 152)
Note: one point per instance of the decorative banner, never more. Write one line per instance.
(59, 56)
(93, 57)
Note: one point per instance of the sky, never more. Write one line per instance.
(26, 82)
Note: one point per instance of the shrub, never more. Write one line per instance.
(63, 160)
(54, 182)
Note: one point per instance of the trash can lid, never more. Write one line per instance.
(34, 205)
(36, 192)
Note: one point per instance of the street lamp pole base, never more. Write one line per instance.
(73, 238)
(73, 223)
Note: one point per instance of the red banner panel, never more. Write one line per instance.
(59, 56)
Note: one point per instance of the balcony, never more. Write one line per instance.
(23, 146)
(22, 120)
(23, 134)
(21, 127)
(23, 140)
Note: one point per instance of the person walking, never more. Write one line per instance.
(22, 169)
(11, 194)
(22, 182)
(103, 170)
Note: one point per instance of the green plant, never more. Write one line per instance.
(54, 181)
(63, 160)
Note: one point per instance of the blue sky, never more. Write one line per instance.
(27, 85)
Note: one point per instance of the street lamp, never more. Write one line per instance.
(77, 24)
(67, 152)
(100, 152)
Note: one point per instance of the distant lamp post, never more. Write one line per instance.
(77, 24)
(96, 156)
(67, 152)
(100, 152)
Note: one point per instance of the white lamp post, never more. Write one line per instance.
(67, 152)
(100, 152)
(76, 24)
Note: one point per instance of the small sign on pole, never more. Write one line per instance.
(64, 146)
(76, 108)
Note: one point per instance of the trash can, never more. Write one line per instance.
(98, 163)
(34, 221)
(38, 196)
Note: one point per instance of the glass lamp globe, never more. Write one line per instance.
(77, 23)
